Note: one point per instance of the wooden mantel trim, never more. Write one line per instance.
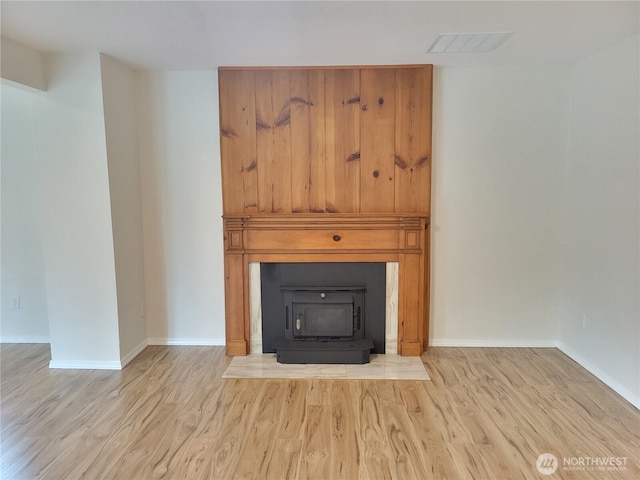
(328, 238)
(319, 220)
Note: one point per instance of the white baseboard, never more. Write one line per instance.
(134, 353)
(82, 365)
(115, 365)
(218, 342)
(492, 343)
(25, 339)
(621, 390)
(106, 365)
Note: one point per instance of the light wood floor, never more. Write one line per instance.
(485, 414)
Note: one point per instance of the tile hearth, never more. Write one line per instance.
(381, 367)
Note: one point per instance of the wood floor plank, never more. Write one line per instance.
(344, 445)
(137, 455)
(195, 464)
(292, 413)
(469, 461)
(319, 392)
(315, 452)
(285, 465)
(371, 426)
(486, 414)
(378, 461)
(19, 460)
(257, 451)
(404, 445)
(234, 431)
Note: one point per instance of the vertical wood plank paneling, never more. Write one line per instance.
(307, 141)
(413, 140)
(322, 140)
(238, 141)
(342, 120)
(273, 125)
(377, 123)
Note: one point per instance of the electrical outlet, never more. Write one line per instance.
(584, 320)
(15, 302)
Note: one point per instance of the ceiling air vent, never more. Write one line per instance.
(468, 42)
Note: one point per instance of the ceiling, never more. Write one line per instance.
(195, 35)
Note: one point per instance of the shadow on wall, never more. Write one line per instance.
(182, 206)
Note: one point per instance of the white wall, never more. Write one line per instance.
(499, 140)
(22, 262)
(118, 92)
(497, 166)
(182, 206)
(76, 217)
(601, 219)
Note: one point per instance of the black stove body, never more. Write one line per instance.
(325, 320)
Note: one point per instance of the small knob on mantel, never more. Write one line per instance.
(337, 238)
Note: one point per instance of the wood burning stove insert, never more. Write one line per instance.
(323, 312)
(318, 313)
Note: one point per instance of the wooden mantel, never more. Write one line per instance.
(398, 238)
(327, 164)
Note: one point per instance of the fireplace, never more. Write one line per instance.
(327, 164)
(323, 312)
(398, 240)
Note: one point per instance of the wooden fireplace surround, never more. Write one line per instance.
(329, 238)
(327, 164)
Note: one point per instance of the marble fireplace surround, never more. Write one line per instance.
(399, 240)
